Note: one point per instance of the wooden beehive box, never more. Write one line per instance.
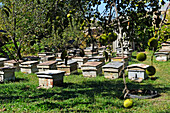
(166, 45)
(48, 65)
(13, 63)
(91, 69)
(31, 58)
(7, 73)
(137, 71)
(29, 66)
(120, 59)
(70, 68)
(113, 70)
(50, 78)
(43, 54)
(98, 58)
(2, 61)
(162, 56)
(47, 58)
(80, 60)
(168, 51)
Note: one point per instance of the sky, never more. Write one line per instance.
(102, 6)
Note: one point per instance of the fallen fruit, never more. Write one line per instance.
(128, 103)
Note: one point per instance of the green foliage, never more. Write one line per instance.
(141, 57)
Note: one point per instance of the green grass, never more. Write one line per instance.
(79, 94)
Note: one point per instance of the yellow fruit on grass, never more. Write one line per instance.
(128, 103)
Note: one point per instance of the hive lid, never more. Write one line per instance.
(3, 59)
(92, 64)
(157, 53)
(142, 66)
(2, 68)
(166, 43)
(71, 62)
(47, 63)
(93, 60)
(116, 65)
(30, 62)
(164, 50)
(79, 57)
(14, 61)
(125, 57)
(96, 57)
(50, 72)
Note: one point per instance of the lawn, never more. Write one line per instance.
(79, 94)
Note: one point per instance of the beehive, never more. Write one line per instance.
(29, 66)
(112, 70)
(50, 78)
(13, 63)
(91, 69)
(80, 60)
(7, 73)
(71, 67)
(48, 65)
(137, 71)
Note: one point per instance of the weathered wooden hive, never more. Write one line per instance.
(166, 45)
(80, 60)
(29, 66)
(71, 67)
(89, 52)
(47, 58)
(137, 71)
(162, 56)
(31, 58)
(112, 70)
(2, 61)
(48, 65)
(91, 69)
(43, 54)
(127, 53)
(13, 63)
(50, 78)
(120, 59)
(98, 59)
(7, 73)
